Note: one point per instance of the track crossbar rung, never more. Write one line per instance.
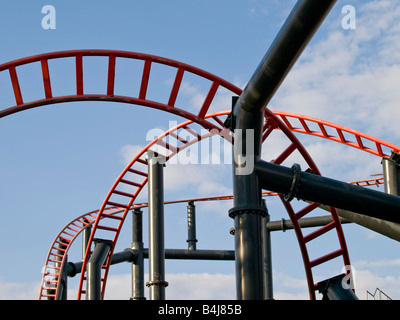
(122, 193)
(107, 228)
(320, 231)
(144, 174)
(118, 204)
(111, 216)
(306, 210)
(131, 183)
(326, 258)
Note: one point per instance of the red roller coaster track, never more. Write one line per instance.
(50, 278)
(112, 223)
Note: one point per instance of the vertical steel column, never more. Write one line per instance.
(248, 212)
(94, 267)
(62, 295)
(138, 261)
(391, 174)
(267, 259)
(246, 120)
(85, 238)
(157, 281)
(191, 223)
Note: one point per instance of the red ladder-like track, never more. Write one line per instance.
(328, 130)
(55, 260)
(114, 222)
(173, 150)
(49, 288)
(272, 123)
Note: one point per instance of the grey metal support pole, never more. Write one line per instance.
(248, 211)
(267, 257)
(85, 238)
(391, 174)
(246, 120)
(62, 295)
(138, 261)
(191, 224)
(157, 281)
(96, 261)
(284, 224)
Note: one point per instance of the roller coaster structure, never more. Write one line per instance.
(121, 197)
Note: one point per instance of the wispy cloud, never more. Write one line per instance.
(194, 286)
(349, 77)
(14, 290)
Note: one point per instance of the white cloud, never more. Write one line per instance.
(181, 286)
(198, 286)
(200, 180)
(367, 280)
(194, 95)
(350, 77)
(128, 152)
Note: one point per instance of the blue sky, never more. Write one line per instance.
(58, 162)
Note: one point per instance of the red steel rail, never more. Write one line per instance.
(55, 260)
(332, 131)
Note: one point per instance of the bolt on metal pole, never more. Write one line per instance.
(156, 281)
(391, 174)
(96, 261)
(191, 224)
(138, 261)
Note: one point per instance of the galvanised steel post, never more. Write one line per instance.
(391, 174)
(138, 261)
(156, 281)
(191, 224)
(96, 261)
(246, 120)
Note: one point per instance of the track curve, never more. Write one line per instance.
(272, 122)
